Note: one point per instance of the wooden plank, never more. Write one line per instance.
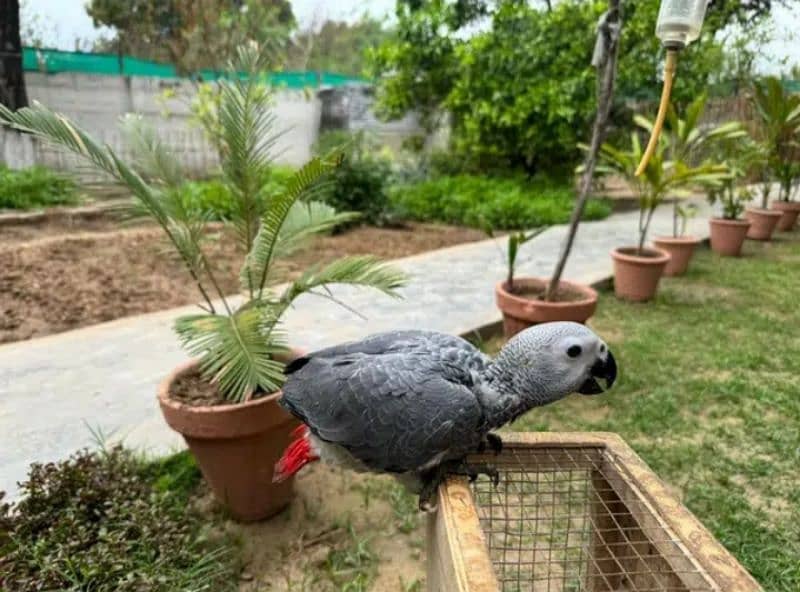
(557, 439)
(458, 557)
(724, 570)
(644, 528)
(603, 570)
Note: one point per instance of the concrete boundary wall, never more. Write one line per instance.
(97, 103)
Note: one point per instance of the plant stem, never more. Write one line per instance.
(675, 233)
(209, 271)
(643, 232)
(604, 101)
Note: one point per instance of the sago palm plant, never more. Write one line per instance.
(236, 344)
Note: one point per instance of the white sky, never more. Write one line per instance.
(61, 22)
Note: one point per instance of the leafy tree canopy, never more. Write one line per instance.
(515, 77)
(192, 34)
(337, 46)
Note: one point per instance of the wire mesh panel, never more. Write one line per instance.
(581, 515)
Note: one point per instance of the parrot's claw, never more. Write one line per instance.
(494, 442)
(435, 478)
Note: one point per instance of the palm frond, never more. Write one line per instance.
(152, 158)
(246, 123)
(234, 350)
(57, 129)
(358, 270)
(260, 257)
(304, 220)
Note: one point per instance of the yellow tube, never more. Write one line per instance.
(669, 73)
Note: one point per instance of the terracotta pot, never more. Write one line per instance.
(680, 249)
(789, 210)
(521, 312)
(236, 447)
(762, 223)
(636, 275)
(727, 236)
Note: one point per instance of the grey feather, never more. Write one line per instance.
(395, 401)
(405, 401)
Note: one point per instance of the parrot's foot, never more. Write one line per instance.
(436, 476)
(492, 441)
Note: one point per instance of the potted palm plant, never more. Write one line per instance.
(729, 230)
(779, 115)
(638, 269)
(688, 142)
(224, 402)
(522, 302)
(763, 221)
(679, 245)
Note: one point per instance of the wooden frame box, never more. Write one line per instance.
(574, 512)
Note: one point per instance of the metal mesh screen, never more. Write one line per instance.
(568, 520)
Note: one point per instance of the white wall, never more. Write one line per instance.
(97, 103)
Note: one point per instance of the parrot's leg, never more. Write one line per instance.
(433, 478)
(495, 442)
(492, 441)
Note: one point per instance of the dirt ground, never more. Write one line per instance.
(343, 531)
(61, 275)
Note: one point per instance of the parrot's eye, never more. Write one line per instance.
(574, 351)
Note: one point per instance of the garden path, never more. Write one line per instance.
(58, 392)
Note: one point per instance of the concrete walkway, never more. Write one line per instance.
(56, 390)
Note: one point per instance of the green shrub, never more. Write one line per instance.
(360, 183)
(108, 521)
(487, 202)
(213, 197)
(35, 187)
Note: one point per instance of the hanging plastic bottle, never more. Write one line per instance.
(679, 23)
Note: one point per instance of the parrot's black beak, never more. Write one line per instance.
(607, 370)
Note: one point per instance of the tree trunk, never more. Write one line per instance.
(12, 80)
(606, 74)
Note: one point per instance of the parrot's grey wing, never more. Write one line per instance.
(393, 412)
(388, 342)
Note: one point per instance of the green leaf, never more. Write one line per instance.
(358, 270)
(238, 351)
(259, 260)
(152, 158)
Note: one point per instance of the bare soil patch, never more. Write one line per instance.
(342, 531)
(60, 275)
(563, 293)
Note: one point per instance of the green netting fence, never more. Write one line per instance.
(54, 61)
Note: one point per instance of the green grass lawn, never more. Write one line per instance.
(709, 396)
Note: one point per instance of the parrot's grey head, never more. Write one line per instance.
(549, 361)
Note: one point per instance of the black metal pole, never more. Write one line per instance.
(12, 78)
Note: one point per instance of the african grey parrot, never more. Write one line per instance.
(415, 403)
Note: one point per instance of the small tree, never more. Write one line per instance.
(779, 114)
(236, 346)
(605, 59)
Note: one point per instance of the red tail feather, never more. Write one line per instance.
(297, 455)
